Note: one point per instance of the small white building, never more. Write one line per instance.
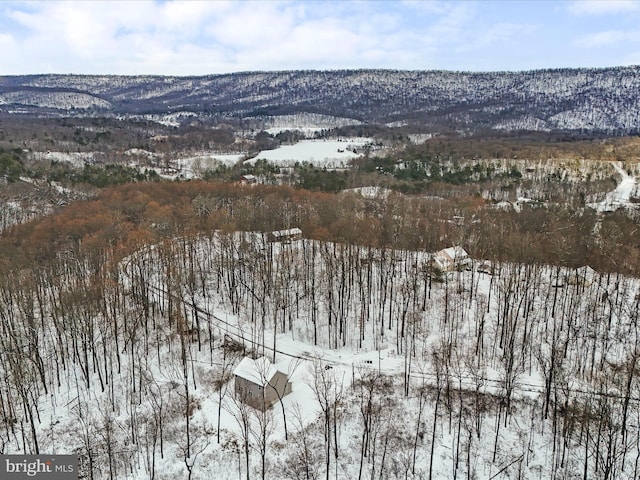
(452, 258)
(287, 235)
(248, 179)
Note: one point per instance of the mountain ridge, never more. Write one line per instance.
(586, 100)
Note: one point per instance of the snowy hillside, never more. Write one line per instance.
(53, 99)
(584, 100)
(398, 371)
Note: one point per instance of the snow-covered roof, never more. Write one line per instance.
(585, 269)
(454, 253)
(287, 233)
(259, 371)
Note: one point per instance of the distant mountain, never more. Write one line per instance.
(585, 100)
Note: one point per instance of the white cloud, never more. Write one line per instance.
(9, 54)
(111, 37)
(201, 37)
(455, 21)
(427, 7)
(252, 25)
(498, 35)
(181, 15)
(6, 41)
(602, 39)
(603, 7)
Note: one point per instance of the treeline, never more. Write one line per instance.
(76, 134)
(14, 164)
(531, 146)
(433, 170)
(567, 171)
(11, 164)
(112, 135)
(133, 214)
(101, 175)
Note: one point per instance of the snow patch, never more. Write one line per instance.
(327, 153)
(621, 196)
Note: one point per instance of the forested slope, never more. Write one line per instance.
(590, 101)
(122, 318)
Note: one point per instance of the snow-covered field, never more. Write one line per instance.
(321, 153)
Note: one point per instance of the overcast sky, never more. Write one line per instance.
(188, 37)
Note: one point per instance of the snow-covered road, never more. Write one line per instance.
(621, 195)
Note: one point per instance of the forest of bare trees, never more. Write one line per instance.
(122, 318)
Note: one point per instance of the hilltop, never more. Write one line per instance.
(586, 101)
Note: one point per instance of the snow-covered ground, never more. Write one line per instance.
(621, 195)
(321, 153)
(372, 192)
(77, 159)
(451, 374)
(307, 123)
(194, 166)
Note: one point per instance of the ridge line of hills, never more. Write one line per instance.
(589, 101)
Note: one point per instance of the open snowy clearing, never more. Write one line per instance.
(321, 153)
